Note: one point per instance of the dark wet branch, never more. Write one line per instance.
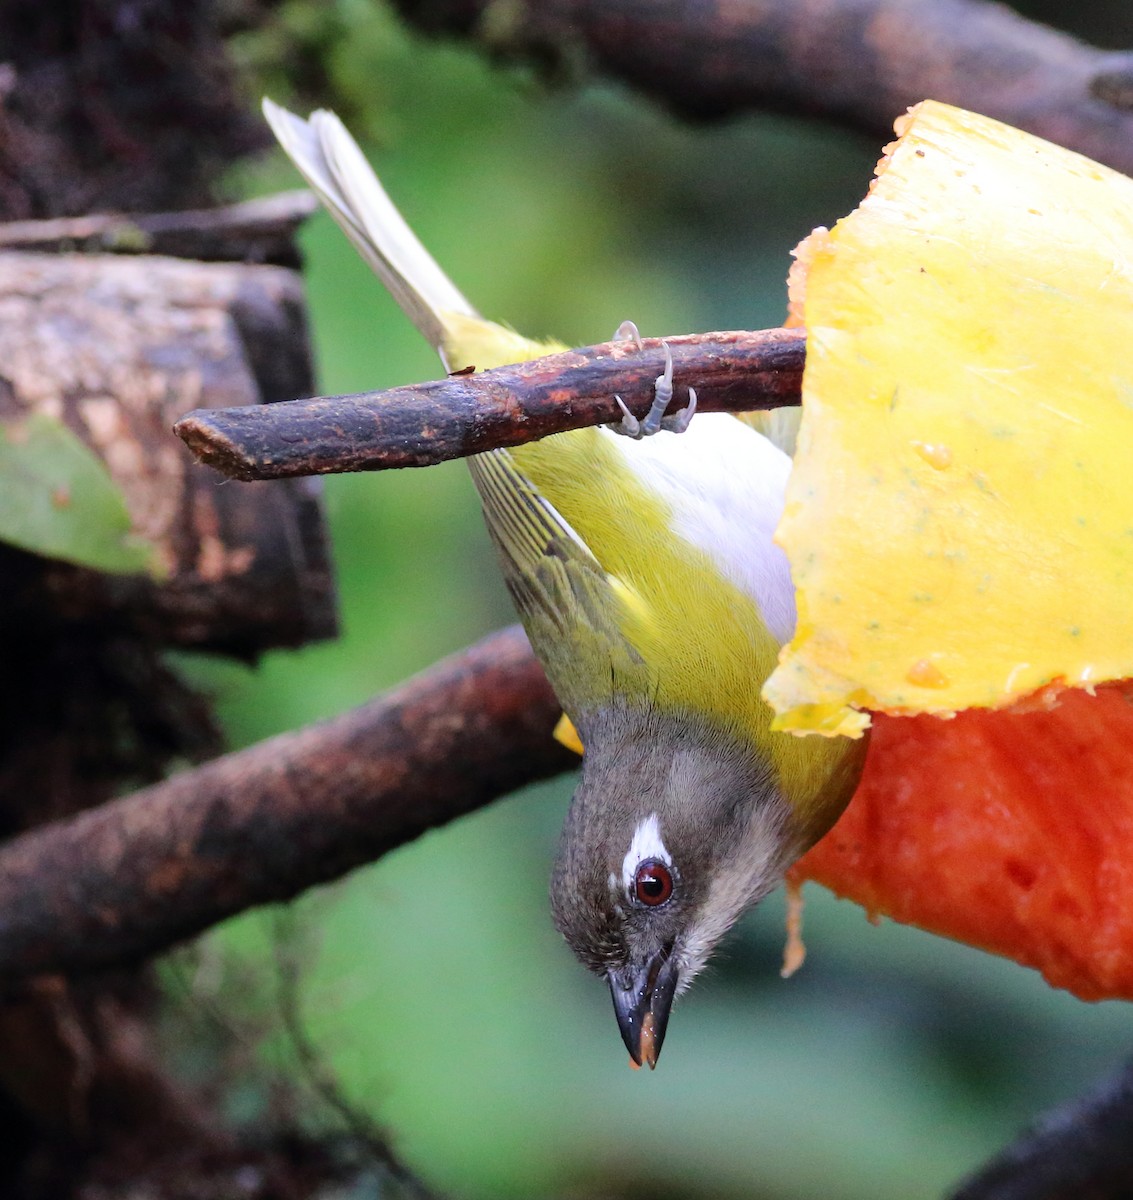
(1083, 1151)
(466, 414)
(134, 877)
(861, 62)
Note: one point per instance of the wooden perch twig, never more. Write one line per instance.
(133, 877)
(859, 61)
(466, 414)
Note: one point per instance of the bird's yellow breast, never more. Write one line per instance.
(704, 638)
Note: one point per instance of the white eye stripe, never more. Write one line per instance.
(646, 843)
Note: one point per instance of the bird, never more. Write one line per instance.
(641, 561)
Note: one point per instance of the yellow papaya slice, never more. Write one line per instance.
(960, 517)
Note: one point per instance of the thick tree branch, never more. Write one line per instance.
(466, 414)
(133, 877)
(119, 347)
(859, 61)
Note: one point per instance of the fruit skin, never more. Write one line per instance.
(1011, 831)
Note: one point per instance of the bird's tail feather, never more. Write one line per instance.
(331, 162)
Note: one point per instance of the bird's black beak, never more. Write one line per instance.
(642, 999)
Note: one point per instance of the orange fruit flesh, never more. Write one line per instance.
(1011, 831)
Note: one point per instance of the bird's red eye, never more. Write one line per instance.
(652, 883)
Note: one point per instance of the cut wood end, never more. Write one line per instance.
(213, 447)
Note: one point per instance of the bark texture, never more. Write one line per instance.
(120, 348)
(113, 105)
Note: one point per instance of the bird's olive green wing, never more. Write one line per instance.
(574, 611)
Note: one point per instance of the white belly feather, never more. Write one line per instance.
(725, 485)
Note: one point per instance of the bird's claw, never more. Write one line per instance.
(655, 419)
(627, 332)
(679, 421)
(629, 426)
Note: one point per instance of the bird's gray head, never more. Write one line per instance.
(674, 830)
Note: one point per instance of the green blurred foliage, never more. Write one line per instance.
(434, 985)
(58, 499)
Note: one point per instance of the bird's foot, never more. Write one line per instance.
(655, 419)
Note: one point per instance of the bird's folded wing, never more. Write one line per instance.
(575, 612)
